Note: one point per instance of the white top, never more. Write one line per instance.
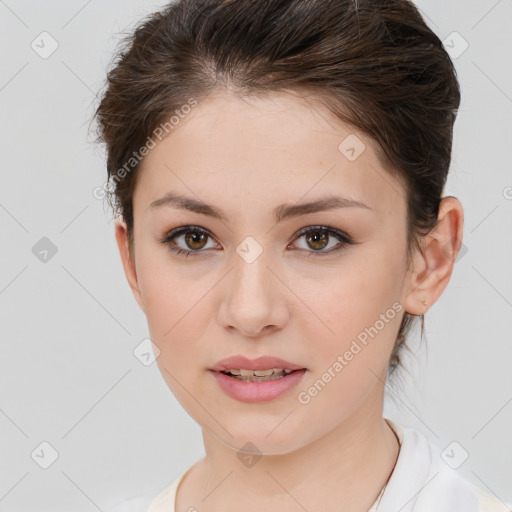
(421, 482)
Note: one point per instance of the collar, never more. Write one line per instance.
(422, 481)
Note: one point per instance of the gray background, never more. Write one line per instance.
(70, 325)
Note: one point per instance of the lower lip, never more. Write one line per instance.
(258, 391)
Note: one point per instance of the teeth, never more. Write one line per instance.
(264, 373)
(259, 373)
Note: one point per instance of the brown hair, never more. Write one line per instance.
(373, 63)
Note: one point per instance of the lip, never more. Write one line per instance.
(263, 391)
(261, 363)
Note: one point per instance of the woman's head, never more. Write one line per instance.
(250, 105)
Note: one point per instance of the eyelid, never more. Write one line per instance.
(174, 233)
(318, 227)
(344, 239)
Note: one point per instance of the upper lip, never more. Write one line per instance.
(261, 363)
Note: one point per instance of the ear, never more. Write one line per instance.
(128, 259)
(433, 266)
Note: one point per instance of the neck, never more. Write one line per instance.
(344, 470)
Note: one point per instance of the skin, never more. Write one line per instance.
(246, 156)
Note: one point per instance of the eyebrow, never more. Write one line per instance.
(281, 212)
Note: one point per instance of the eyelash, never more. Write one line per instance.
(344, 239)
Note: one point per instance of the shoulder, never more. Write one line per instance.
(488, 503)
(165, 500)
(422, 481)
(160, 500)
(155, 500)
(137, 503)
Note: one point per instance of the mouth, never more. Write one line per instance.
(258, 375)
(249, 387)
(257, 380)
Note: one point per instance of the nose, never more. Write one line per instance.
(253, 298)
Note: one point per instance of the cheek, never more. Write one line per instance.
(358, 303)
(178, 309)
(168, 295)
(360, 319)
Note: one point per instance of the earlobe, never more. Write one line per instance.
(121, 234)
(433, 266)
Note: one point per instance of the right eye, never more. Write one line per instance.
(194, 237)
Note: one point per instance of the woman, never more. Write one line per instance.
(278, 170)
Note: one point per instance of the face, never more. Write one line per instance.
(250, 282)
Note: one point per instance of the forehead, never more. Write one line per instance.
(281, 146)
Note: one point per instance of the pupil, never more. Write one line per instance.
(195, 238)
(315, 238)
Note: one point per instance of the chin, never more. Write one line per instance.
(263, 438)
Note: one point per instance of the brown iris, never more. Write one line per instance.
(317, 237)
(195, 237)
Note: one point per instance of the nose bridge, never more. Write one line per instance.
(251, 276)
(253, 301)
(251, 264)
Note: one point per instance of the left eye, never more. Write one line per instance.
(316, 237)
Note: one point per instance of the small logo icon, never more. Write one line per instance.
(507, 192)
(44, 45)
(249, 249)
(249, 454)
(45, 455)
(44, 250)
(351, 147)
(146, 352)
(447, 250)
(455, 45)
(454, 455)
